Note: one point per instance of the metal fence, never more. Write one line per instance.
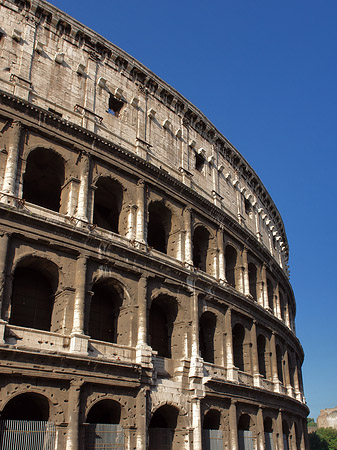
(104, 436)
(160, 438)
(212, 440)
(27, 434)
(245, 438)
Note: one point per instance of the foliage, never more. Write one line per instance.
(323, 439)
(311, 421)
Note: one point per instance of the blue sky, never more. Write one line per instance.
(265, 73)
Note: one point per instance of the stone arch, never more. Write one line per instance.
(159, 225)
(34, 286)
(261, 352)
(285, 434)
(201, 240)
(108, 203)
(212, 419)
(162, 315)
(56, 413)
(231, 259)
(167, 427)
(106, 320)
(207, 327)
(27, 406)
(103, 425)
(106, 410)
(252, 276)
(238, 337)
(268, 433)
(44, 178)
(245, 434)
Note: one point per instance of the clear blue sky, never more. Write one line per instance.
(265, 73)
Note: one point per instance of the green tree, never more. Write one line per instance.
(328, 435)
(316, 443)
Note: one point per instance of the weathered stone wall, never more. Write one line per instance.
(143, 265)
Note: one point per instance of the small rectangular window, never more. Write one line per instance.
(199, 162)
(115, 106)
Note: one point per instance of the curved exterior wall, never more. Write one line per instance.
(143, 263)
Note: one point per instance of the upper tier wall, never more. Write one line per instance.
(56, 63)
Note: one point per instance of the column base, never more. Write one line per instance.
(232, 374)
(79, 343)
(3, 324)
(144, 355)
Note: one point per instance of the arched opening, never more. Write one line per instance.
(245, 436)
(279, 359)
(285, 430)
(104, 311)
(28, 406)
(270, 292)
(108, 204)
(24, 423)
(211, 433)
(238, 339)
(44, 178)
(230, 263)
(207, 324)
(163, 313)
(103, 429)
(252, 275)
(32, 301)
(159, 226)
(268, 433)
(162, 428)
(261, 352)
(200, 248)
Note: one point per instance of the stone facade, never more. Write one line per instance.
(144, 282)
(327, 418)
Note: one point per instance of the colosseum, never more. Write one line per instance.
(145, 295)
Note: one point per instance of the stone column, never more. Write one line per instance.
(79, 342)
(287, 315)
(233, 432)
(260, 429)
(83, 193)
(143, 350)
(255, 357)
(232, 374)
(188, 236)
(142, 310)
(131, 229)
(196, 368)
(11, 170)
(286, 374)
(141, 213)
(264, 281)
(279, 431)
(74, 401)
(221, 255)
(246, 290)
(196, 424)
(141, 435)
(4, 245)
(274, 372)
(260, 288)
(277, 302)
